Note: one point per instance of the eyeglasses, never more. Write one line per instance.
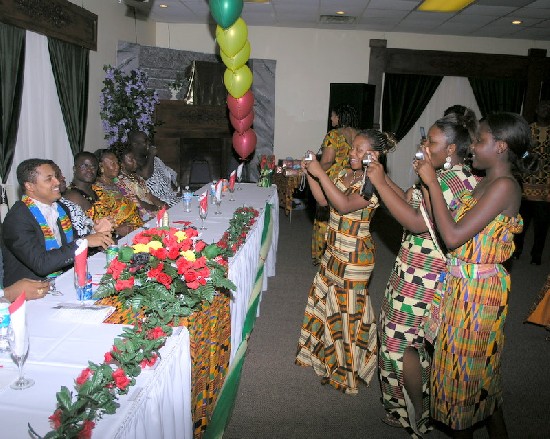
(85, 166)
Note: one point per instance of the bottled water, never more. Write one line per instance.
(187, 197)
(4, 324)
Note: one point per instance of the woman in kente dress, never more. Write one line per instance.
(334, 158)
(478, 231)
(403, 359)
(338, 335)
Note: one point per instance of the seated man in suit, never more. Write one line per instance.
(34, 289)
(39, 240)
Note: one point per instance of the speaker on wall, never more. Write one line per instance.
(358, 95)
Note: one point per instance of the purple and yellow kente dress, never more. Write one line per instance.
(408, 300)
(466, 381)
(338, 335)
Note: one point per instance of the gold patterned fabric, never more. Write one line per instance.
(338, 335)
(135, 188)
(337, 141)
(111, 203)
(536, 187)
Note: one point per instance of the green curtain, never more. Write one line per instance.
(404, 100)
(501, 94)
(70, 66)
(12, 63)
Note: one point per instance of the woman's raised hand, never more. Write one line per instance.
(375, 171)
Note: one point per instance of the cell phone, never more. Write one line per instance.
(422, 134)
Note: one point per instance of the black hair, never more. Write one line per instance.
(347, 116)
(85, 154)
(123, 149)
(514, 130)
(459, 128)
(381, 142)
(457, 109)
(102, 152)
(26, 171)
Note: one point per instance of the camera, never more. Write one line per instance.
(419, 155)
(308, 156)
(367, 161)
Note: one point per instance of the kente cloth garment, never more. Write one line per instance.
(111, 203)
(160, 183)
(407, 301)
(135, 188)
(338, 335)
(465, 378)
(337, 141)
(539, 314)
(49, 236)
(536, 186)
(82, 224)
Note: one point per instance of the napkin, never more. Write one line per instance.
(232, 178)
(80, 263)
(203, 202)
(219, 188)
(18, 325)
(240, 170)
(160, 215)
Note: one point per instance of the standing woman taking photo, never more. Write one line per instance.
(479, 233)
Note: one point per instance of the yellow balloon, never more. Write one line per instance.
(237, 82)
(232, 39)
(237, 61)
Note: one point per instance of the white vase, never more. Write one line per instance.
(174, 94)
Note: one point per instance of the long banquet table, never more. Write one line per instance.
(160, 404)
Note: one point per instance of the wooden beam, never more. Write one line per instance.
(59, 19)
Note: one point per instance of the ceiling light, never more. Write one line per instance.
(517, 22)
(162, 5)
(444, 5)
(340, 12)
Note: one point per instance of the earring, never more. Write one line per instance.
(447, 164)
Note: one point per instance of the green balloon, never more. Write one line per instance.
(238, 82)
(232, 39)
(237, 61)
(226, 12)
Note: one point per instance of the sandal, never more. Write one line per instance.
(391, 420)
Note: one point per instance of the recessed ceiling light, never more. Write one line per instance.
(340, 12)
(517, 22)
(162, 5)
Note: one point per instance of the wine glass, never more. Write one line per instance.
(202, 214)
(231, 191)
(218, 202)
(239, 179)
(19, 346)
(52, 289)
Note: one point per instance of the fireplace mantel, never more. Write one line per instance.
(190, 133)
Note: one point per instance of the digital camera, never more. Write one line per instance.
(308, 156)
(367, 160)
(419, 155)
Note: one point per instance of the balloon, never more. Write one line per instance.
(239, 108)
(232, 39)
(244, 143)
(241, 125)
(238, 82)
(239, 60)
(226, 12)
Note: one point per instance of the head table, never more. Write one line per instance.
(163, 403)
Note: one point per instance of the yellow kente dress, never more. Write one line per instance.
(337, 141)
(338, 335)
(111, 203)
(466, 381)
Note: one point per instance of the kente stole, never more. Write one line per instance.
(49, 237)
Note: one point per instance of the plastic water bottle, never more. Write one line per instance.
(4, 324)
(213, 192)
(187, 197)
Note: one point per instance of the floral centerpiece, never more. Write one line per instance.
(267, 167)
(126, 104)
(164, 275)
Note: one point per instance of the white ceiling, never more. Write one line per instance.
(483, 18)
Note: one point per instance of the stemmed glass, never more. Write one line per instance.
(218, 202)
(239, 179)
(231, 191)
(202, 214)
(19, 346)
(52, 289)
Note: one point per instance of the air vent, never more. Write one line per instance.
(337, 19)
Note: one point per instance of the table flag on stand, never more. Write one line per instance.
(232, 178)
(160, 217)
(203, 202)
(240, 170)
(17, 321)
(219, 187)
(81, 263)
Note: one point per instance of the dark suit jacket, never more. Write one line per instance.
(24, 252)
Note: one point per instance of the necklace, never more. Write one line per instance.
(356, 178)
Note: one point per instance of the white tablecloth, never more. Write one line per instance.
(159, 405)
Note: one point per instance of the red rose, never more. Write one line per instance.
(191, 232)
(199, 245)
(55, 419)
(155, 333)
(116, 268)
(183, 265)
(122, 284)
(173, 253)
(192, 285)
(149, 361)
(108, 357)
(120, 379)
(164, 279)
(87, 427)
(84, 375)
(161, 253)
(186, 244)
(190, 275)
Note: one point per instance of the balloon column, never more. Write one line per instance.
(232, 37)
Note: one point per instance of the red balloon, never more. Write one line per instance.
(244, 143)
(241, 125)
(241, 107)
